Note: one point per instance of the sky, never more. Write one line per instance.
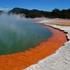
(35, 4)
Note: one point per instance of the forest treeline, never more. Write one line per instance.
(56, 13)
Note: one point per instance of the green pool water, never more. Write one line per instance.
(20, 36)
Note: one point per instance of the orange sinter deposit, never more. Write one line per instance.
(21, 60)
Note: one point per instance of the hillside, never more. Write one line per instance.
(56, 13)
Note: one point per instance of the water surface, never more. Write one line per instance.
(17, 34)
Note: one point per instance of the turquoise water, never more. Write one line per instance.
(21, 35)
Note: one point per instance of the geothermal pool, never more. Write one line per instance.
(18, 34)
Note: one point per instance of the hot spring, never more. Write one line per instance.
(20, 34)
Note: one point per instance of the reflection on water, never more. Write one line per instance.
(18, 34)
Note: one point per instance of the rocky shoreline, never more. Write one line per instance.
(59, 60)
